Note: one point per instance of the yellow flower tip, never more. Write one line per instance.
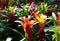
(11, 9)
(43, 16)
(42, 19)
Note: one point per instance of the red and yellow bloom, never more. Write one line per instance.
(41, 19)
(27, 28)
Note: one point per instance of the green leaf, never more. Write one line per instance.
(50, 18)
(57, 33)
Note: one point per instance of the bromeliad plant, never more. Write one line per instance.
(41, 19)
(15, 20)
(27, 25)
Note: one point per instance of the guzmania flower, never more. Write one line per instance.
(11, 17)
(27, 28)
(40, 18)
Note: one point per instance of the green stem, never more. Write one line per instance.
(54, 23)
(26, 36)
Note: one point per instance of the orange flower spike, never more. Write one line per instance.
(28, 30)
(26, 20)
(58, 18)
(36, 14)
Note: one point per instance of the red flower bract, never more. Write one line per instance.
(29, 32)
(4, 3)
(20, 5)
(41, 34)
(7, 3)
(31, 1)
(11, 17)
